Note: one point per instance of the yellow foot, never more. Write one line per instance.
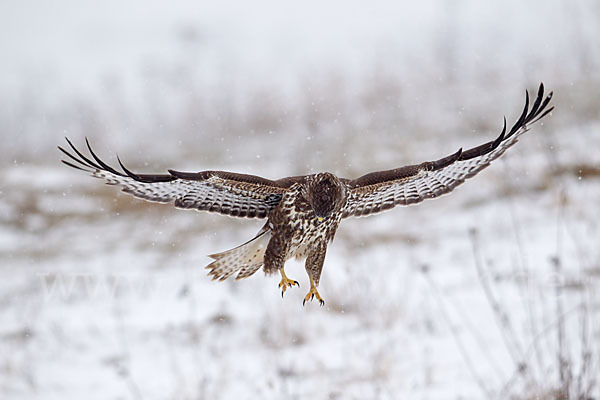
(312, 293)
(286, 282)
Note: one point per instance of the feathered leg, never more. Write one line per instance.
(275, 257)
(314, 266)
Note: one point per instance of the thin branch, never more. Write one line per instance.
(525, 297)
(505, 392)
(501, 317)
(461, 346)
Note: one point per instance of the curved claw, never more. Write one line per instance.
(289, 283)
(286, 283)
(321, 302)
(312, 293)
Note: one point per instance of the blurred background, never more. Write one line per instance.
(488, 293)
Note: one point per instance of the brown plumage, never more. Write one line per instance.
(304, 212)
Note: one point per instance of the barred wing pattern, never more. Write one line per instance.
(379, 191)
(236, 195)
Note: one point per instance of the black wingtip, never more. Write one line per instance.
(99, 161)
(500, 138)
(541, 113)
(72, 157)
(128, 172)
(522, 118)
(88, 165)
(548, 111)
(536, 104)
(528, 116)
(74, 166)
(546, 100)
(84, 158)
(443, 162)
(455, 157)
(458, 154)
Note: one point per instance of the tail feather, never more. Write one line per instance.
(245, 259)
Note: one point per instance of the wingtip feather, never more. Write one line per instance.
(128, 172)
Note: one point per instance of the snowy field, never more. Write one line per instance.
(489, 293)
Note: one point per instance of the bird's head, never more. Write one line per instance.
(326, 195)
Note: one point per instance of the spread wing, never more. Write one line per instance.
(227, 193)
(382, 190)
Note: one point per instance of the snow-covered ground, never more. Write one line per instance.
(488, 293)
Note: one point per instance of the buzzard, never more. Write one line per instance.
(303, 212)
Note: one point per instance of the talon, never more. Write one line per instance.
(286, 282)
(312, 293)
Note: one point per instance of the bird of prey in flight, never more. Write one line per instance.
(302, 213)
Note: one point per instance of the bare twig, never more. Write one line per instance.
(124, 370)
(461, 346)
(501, 317)
(483, 346)
(505, 392)
(564, 363)
(586, 352)
(525, 296)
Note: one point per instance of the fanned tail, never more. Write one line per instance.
(245, 259)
